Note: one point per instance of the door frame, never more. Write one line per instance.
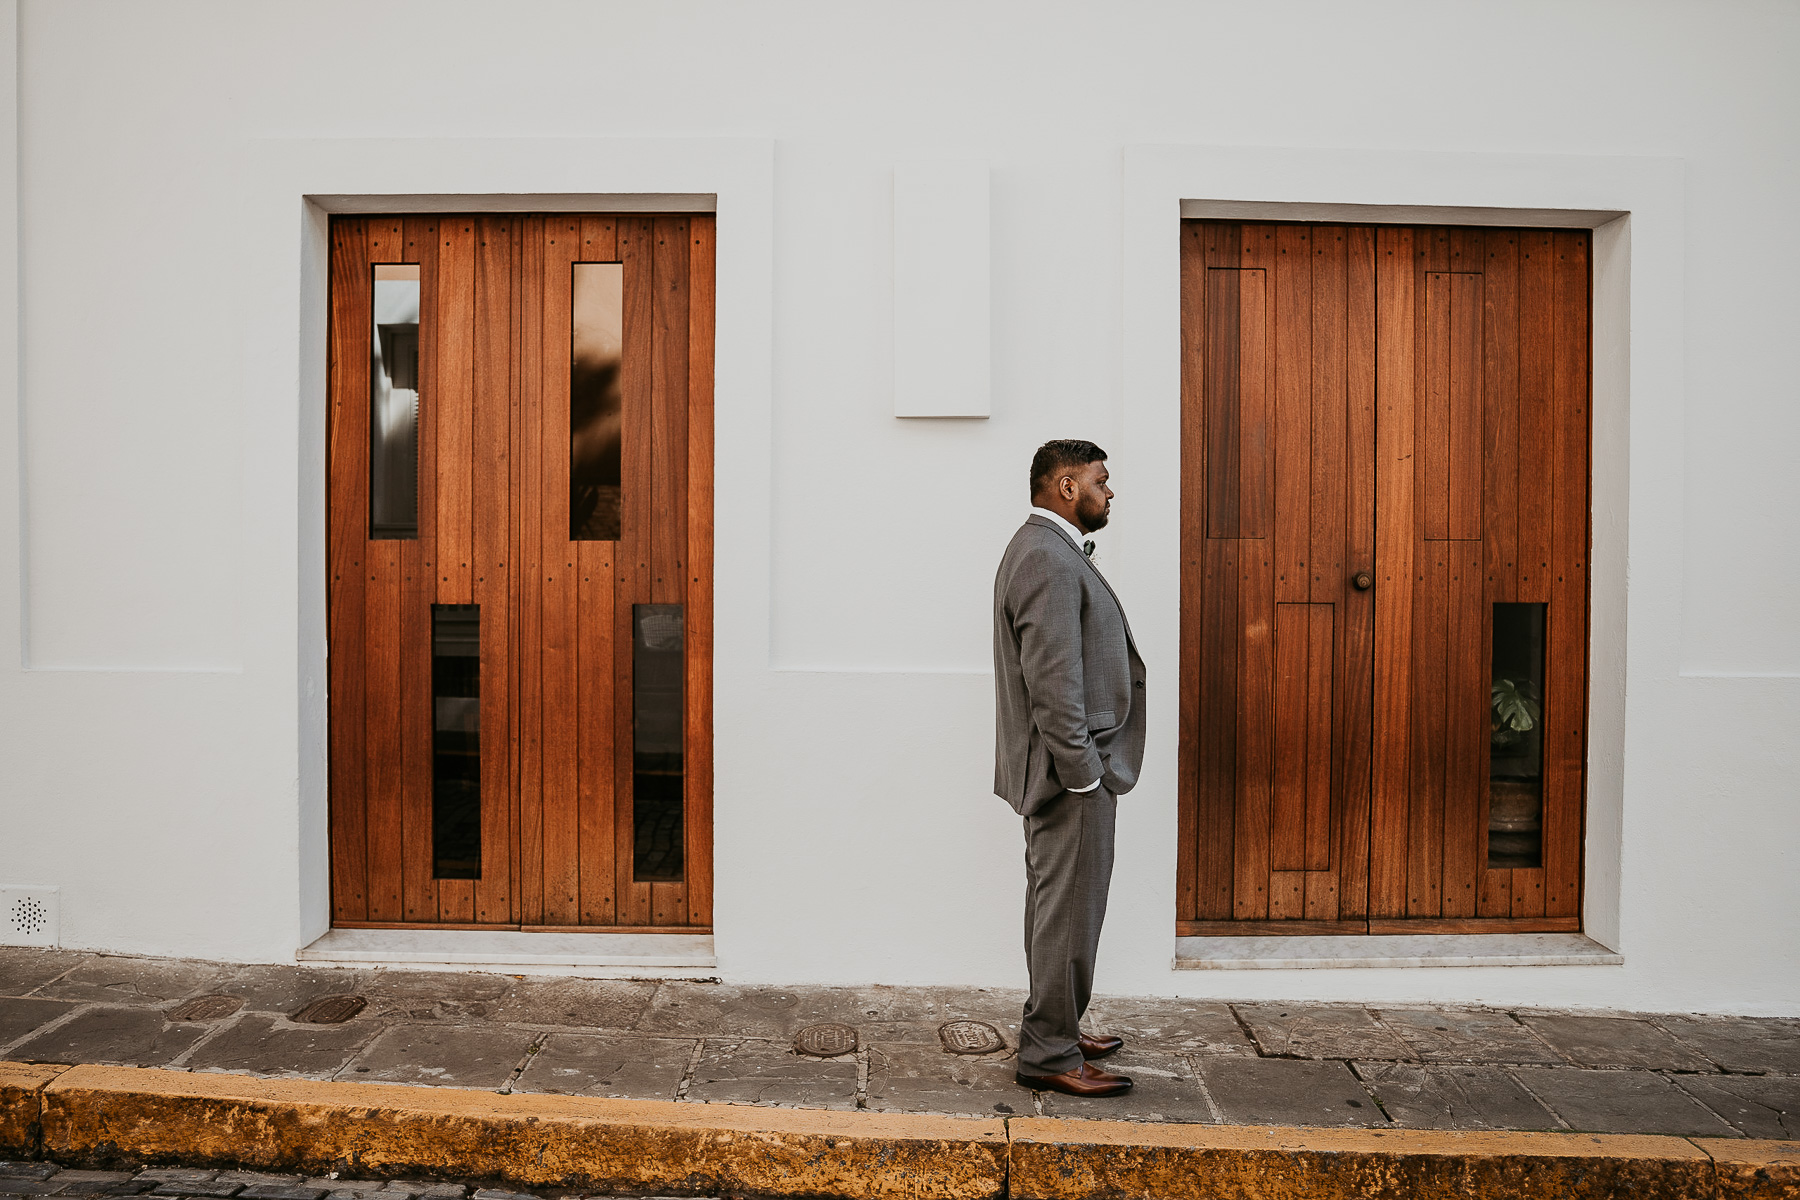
(1634, 207)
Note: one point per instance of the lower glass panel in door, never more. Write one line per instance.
(658, 776)
(456, 741)
(1515, 828)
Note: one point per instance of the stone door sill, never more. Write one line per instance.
(1393, 950)
(596, 955)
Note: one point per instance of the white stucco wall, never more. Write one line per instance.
(159, 535)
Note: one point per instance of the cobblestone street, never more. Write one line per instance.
(889, 1049)
(22, 1179)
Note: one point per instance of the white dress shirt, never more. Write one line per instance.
(1075, 534)
(1061, 524)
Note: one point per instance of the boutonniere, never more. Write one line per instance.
(1087, 547)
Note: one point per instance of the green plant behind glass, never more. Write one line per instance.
(1514, 711)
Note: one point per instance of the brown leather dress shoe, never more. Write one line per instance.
(1085, 1080)
(1099, 1045)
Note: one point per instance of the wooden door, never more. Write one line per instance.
(1384, 571)
(491, 632)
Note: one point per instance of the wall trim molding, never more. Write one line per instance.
(296, 184)
(1636, 208)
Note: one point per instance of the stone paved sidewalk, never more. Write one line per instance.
(890, 1048)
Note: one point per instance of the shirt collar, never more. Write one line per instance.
(1075, 535)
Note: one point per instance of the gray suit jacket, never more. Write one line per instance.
(1068, 682)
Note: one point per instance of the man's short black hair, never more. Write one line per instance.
(1053, 458)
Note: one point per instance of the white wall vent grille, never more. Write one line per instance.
(29, 916)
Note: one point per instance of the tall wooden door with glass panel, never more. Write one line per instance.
(519, 520)
(1384, 578)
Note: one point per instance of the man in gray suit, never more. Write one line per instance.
(1069, 688)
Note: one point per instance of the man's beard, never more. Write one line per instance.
(1093, 519)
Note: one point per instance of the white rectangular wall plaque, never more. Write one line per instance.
(941, 289)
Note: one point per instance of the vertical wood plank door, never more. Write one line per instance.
(1384, 578)
(519, 525)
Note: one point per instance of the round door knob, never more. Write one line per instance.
(1363, 581)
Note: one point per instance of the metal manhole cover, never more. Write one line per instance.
(825, 1041)
(970, 1037)
(330, 1010)
(207, 1008)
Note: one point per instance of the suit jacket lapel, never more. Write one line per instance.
(1063, 535)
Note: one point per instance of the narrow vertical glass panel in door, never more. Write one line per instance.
(595, 360)
(394, 404)
(456, 741)
(1516, 738)
(657, 726)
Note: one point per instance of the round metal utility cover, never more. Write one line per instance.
(970, 1037)
(207, 1008)
(825, 1041)
(330, 1010)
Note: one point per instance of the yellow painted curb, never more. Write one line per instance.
(1112, 1160)
(20, 1104)
(99, 1116)
(1754, 1170)
(95, 1114)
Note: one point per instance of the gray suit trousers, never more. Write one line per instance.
(1068, 869)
